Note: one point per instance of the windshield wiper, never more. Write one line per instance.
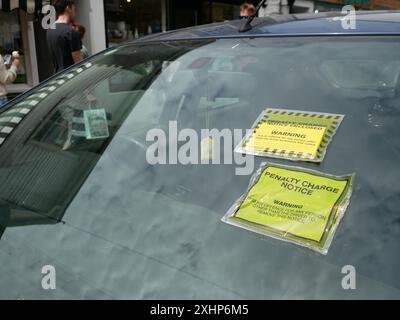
(246, 26)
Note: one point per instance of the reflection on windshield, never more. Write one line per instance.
(78, 157)
(41, 176)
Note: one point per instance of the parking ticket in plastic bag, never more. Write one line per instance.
(293, 204)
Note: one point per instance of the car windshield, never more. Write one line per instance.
(78, 192)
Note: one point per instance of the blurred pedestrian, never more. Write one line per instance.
(7, 75)
(64, 42)
(82, 31)
(247, 10)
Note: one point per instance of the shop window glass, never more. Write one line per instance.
(219, 12)
(11, 40)
(130, 20)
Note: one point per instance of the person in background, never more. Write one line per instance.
(82, 30)
(247, 10)
(64, 42)
(7, 76)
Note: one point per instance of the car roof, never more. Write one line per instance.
(367, 23)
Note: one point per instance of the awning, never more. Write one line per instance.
(30, 6)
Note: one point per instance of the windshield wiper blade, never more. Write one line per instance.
(246, 26)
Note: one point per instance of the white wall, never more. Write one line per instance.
(90, 14)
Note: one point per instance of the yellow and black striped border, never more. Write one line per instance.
(330, 121)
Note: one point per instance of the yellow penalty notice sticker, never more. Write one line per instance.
(291, 135)
(293, 204)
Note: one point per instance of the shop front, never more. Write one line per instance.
(17, 34)
(127, 20)
(110, 22)
(21, 30)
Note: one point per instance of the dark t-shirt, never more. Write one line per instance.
(62, 41)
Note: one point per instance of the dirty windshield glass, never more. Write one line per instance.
(84, 190)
